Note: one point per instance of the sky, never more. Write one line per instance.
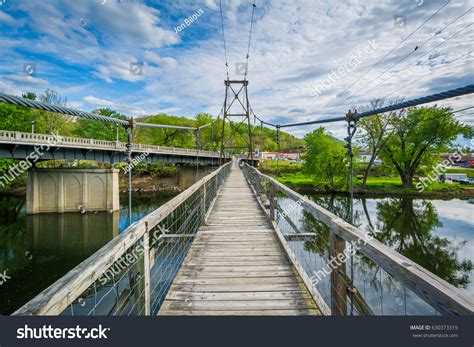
(143, 57)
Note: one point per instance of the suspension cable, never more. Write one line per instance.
(469, 89)
(19, 101)
(463, 109)
(223, 37)
(250, 39)
(261, 120)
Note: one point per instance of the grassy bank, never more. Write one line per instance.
(382, 185)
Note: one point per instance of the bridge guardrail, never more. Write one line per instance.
(65, 141)
(132, 273)
(327, 237)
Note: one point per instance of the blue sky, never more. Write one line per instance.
(84, 49)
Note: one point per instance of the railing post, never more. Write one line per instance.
(338, 285)
(146, 269)
(203, 203)
(271, 196)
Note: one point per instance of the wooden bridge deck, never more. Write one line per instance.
(236, 265)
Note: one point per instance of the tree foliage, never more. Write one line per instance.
(92, 129)
(325, 159)
(418, 138)
(376, 130)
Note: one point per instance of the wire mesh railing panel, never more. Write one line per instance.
(132, 274)
(348, 277)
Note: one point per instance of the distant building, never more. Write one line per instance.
(290, 154)
(364, 157)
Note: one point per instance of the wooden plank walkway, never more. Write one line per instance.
(236, 265)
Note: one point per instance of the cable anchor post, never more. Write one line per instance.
(278, 148)
(351, 130)
(129, 127)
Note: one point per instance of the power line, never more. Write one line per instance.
(441, 43)
(413, 51)
(223, 37)
(398, 45)
(422, 77)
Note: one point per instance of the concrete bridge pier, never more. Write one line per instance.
(72, 190)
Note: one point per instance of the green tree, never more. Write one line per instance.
(207, 135)
(51, 122)
(93, 129)
(29, 95)
(376, 130)
(15, 118)
(325, 159)
(418, 138)
(166, 137)
(406, 225)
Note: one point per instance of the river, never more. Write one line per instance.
(36, 250)
(436, 234)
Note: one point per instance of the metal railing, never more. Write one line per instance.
(17, 137)
(131, 274)
(346, 270)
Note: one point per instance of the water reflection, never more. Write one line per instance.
(418, 229)
(406, 225)
(36, 250)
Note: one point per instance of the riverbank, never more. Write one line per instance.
(378, 186)
(147, 183)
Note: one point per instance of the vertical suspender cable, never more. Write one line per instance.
(223, 37)
(129, 160)
(250, 39)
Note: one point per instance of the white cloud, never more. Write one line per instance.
(27, 80)
(294, 45)
(130, 110)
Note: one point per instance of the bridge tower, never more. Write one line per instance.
(237, 114)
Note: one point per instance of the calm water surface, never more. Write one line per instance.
(37, 250)
(437, 234)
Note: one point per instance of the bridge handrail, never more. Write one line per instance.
(61, 294)
(432, 289)
(22, 137)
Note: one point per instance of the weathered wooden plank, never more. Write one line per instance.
(256, 287)
(238, 280)
(225, 305)
(237, 268)
(280, 312)
(294, 294)
(209, 273)
(238, 262)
